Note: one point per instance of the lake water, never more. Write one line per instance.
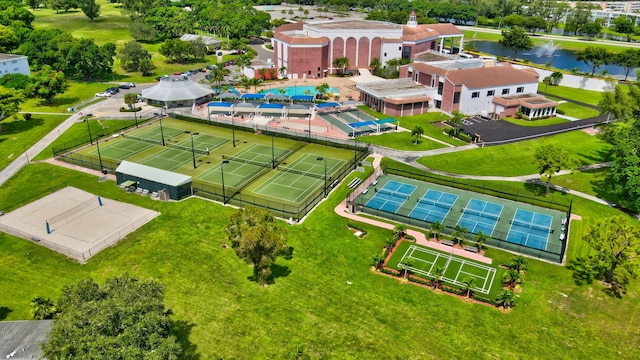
(559, 58)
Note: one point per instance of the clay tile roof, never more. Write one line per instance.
(445, 29)
(481, 77)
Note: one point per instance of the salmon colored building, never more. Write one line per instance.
(308, 49)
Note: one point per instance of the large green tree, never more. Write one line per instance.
(417, 131)
(132, 55)
(624, 173)
(591, 28)
(257, 237)
(90, 8)
(617, 245)
(10, 101)
(578, 16)
(8, 39)
(594, 57)
(550, 159)
(624, 25)
(64, 5)
(516, 39)
(176, 50)
(170, 22)
(47, 84)
(122, 319)
(628, 59)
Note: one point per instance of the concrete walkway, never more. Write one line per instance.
(37, 148)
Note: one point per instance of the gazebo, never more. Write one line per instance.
(177, 91)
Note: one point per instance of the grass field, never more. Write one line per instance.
(18, 135)
(577, 111)
(218, 308)
(517, 159)
(401, 141)
(77, 92)
(580, 95)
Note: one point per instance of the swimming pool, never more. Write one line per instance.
(297, 90)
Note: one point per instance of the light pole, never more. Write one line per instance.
(224, 196)
(193, 149)
(88, 128)
(135, 114)
(355, 153)
(273, 154)
(98, 147)
(161, 131)
(233, 131)
(320, 158)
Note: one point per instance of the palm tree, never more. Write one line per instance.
(42, 308)
(438, 273)
(394, 63)
(458, 234)
(306, 13)
(245, 82)
(390, 243)
(505, 298)
(283, 12)
(417, 131)
(255, 82)
(341, 63)
(480, 238)
(244, 61)
(218, 73)
(262, 71)
(519, 263)
(468, 285)
(322, 89)
(547, 81)
(375, 64)
(511, 278)
(377, 261)
(399, 231)
(436, 229)
(405, 265)
(283, 70)
(556, 76)
(455, 121)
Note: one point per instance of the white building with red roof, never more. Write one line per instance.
(308, 49)
(477, 86)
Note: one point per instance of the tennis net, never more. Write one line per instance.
(247, 161)
(435, 203)
(184, 148)
(151, 141)
(394, 193)
(529, 225)
(482, 214)
(300, 172)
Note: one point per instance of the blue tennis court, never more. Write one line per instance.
(479, 216)
(391, 196)
(433, 206)
(530, 229)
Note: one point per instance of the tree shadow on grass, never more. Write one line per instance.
(57, 102)
(277, 271)
(182, 330)
(19, 126)
(4, 311)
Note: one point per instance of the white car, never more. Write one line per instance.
(103, 94)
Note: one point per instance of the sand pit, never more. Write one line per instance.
(75, 223)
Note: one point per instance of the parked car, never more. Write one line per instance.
(103, 94)
(207, 76)
(113, 90)
(127, 85)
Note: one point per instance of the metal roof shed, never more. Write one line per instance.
(154, 179)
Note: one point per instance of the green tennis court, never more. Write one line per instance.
(258, 154)
(154, 134)
(169, 159)
(122, 149)
(202, 143)
(236, 173)
(297, 180)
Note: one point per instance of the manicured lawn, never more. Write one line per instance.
(585, 96)
(534, 123)
(577, 111)
(77, 93)
(401, 141)
(517, 158)
(18, 135)
(221, 314)
(79, 133)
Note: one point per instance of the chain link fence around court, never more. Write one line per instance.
(554, 253)
(81, 256)
(234, 196)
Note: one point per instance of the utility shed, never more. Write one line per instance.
(153, 179)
